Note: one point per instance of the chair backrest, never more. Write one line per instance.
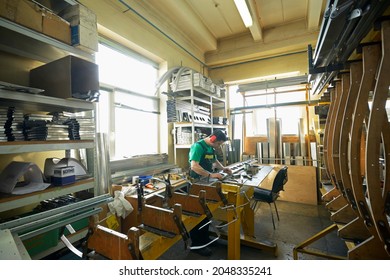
(281, 178)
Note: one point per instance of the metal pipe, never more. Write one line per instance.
(276, 92)
(162, 32)
(59, 224)
(241, 110)
(60, 210)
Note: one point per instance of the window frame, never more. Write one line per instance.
(112, 90)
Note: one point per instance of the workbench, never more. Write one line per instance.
(233, 210)
(238, 193)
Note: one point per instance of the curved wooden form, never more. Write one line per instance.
(371, 55)
(371, 248)
(378, 134)
(357, 149)
(345, 84)
(331, 129)
(328, 125)
(356, 71)
(330, 196)
(349, 213)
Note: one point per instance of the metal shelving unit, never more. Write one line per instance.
(197, 96)
(35, 102)
(24, 42)
(32, 44)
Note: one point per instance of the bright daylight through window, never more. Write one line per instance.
(128, 108)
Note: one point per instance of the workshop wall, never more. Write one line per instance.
(267, 66)
(135, 33)
(130, 30)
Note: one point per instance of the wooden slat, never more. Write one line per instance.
(378, 127)
(337, 130)
(329, 126)
(356, 71)
(371, 56)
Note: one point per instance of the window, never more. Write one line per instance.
(256, 119)
(128, 109)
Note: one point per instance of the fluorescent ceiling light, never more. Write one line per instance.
(242, 8)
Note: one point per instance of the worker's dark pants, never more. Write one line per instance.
(200, 236)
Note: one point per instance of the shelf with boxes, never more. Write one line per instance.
(48, 114)
(25, 104)
(15, 200)
(47, 35)
(197, 106)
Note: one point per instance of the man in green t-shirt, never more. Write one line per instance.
(203, 161)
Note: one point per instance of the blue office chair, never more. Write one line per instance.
(270, 196)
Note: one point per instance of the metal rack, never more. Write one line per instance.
(344, 26)
(21, 41)
(195, 94)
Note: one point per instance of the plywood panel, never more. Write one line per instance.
(301, 186)
(251, 142)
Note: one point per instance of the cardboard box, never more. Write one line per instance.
(83, 24)
(62, 181)
(56, 27)
(66, 76)
(80, 15)
(84, 38)
(63, 171)
(22, 12)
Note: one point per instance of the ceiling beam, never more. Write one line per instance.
(314, 8)
(255, 29)
(279, 40)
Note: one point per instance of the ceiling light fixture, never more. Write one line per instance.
(243, 9)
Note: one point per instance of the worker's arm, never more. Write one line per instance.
(195, 166)
(219, 166)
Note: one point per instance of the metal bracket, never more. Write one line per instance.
(355, 14)
(183, 231)
(218, 188)
(337, 11)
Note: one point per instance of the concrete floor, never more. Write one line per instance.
(297, 223)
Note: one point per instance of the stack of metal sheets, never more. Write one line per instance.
(87, 128)
(171, 111)
(73, 129)
(181, 111)
(220, 120)
(36, 127)
(13, 127)
(79, 127)
(3, 120)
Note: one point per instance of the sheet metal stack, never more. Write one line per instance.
(181, 80)
(220, 120)
(13, 124)
(17, 126)
(3, 120)
(36, 127)
(79, 127)
(171, 111)
(234, 150)
(180, 111)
